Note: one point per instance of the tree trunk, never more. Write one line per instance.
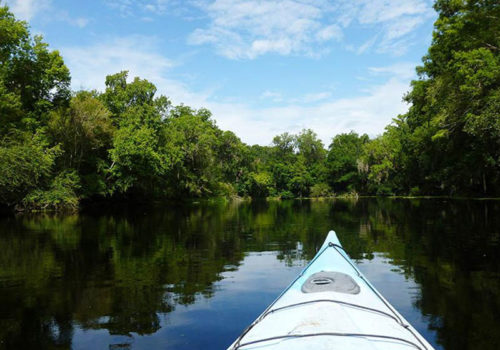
(484, 183)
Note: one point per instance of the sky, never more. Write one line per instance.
(263, 67)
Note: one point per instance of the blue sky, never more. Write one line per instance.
(262, 67)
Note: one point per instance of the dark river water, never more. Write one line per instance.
(193, 276)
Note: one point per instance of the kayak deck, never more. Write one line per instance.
(330, 305)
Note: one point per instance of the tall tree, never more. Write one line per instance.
(140, 163)
(453, 121)
(33, 79)
(33, 82)
(194, 137)
(84, 129)
(342, 162)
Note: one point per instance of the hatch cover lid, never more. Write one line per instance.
(330, 281)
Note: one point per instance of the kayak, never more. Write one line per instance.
(330, 305)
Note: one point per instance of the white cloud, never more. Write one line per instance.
(27, 9)
(366, 45)
(272, 95)
(89, 66)
(397, 20)
(330, 32)
(382, 11)
(64, 16)
(369, 112)
(243, 29)
(126, 8)
(130, 8)
(81, 22)
(402, 70)
(240, 29)
(315, 97)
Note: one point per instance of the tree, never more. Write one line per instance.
(310, 147)
(378, 164)
(33, 82)
(342, 162)
(84, 129)
(57, 148)
(140, 161)
(194, 137)
(26, 163)
(314, 154)
(300, 182)
(33, 79)
(453, 119)
(120, 95)
(233, 158)
(284, 145)
(260, 184)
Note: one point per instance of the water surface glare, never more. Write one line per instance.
(193, 276)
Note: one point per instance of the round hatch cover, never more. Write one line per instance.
(330, 281)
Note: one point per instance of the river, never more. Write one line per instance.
(194, 275)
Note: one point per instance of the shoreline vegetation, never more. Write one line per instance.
(59, 148)
(231, 201)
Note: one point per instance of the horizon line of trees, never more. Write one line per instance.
(58, 147)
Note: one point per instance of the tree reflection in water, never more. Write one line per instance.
(124, 271)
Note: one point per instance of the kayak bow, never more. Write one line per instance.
(330, 305)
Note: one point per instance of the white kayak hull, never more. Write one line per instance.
(330, 305)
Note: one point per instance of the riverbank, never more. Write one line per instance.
(120, 204)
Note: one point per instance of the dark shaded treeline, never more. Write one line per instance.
(58, 147)
(126, 270)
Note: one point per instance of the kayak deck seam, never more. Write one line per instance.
(335, 334)
(337, 302)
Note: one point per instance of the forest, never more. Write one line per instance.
(60, 148)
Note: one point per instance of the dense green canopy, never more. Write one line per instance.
(449, 141)
(59, 147)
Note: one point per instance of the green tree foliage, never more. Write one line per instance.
(342, 163)
(295, 162)
(194, 137)
(26, 165)
(321, 190)
(301, 180)
(260, 185)
(60, 194)
(58, 147)
(449, 141)
(83, 130)
(311, 149)
(33, 79)
(139, 162)
(233, 158)
(377, 165)
(33, 82)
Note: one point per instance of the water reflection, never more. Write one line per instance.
(192, 276)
